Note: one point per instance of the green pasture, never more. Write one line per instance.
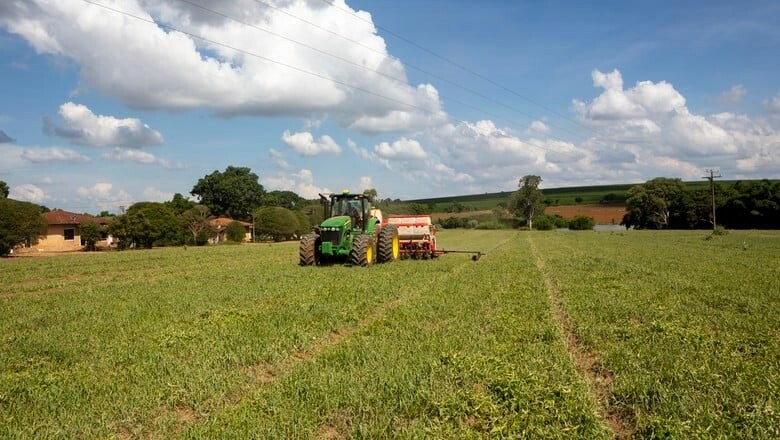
(240, 342)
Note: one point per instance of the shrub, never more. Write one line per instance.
(544, 223)
(581, 223)
(235, 232)
(491, 224)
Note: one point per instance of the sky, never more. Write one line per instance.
(104, 103)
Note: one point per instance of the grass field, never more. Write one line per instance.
(551, 334)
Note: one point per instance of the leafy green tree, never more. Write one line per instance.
(196, 222)
(528, 201)
(276, 223)
(4, 190)
(652, 204)
(304, 223)
(19, 222)
(235, 232)
(179, 204)
(233, 193)
(417, 208)
(90, 233)
(147, 224)
(751, 204)
(285, 199)
(370, 193)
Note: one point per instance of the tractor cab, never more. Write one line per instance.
(355, 206)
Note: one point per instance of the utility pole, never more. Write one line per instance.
(713, 174)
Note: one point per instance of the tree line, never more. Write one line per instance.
(664, 203)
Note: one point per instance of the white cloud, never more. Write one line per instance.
(138, 156)
(27, 192)
(733, 95)
(278, 159)
(301, 182)
(304, 144)
(146, 66)
(153, 194)
(366, 182)
(82, 127)
(402, 149)
(773, 105)
(53, 154)
(103, 196)
(539, 127)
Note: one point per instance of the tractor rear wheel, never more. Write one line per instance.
(389, 244)
(308, 249)
(362, 253)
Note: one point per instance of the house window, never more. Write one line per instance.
(69, 234)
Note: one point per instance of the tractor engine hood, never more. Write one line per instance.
(339, 221)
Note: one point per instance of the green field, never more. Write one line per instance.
(551, 334)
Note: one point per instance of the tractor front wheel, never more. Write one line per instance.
(362, 253)
(389, 244)
(308, 249)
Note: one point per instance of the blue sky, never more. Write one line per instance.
(101, 109)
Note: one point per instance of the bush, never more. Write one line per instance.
(90, 233)
(581, 223)
(276, 223)
(235, 232)
(544, 223)
(491, 224)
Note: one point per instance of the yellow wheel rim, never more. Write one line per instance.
(396, 247)
(369, 254)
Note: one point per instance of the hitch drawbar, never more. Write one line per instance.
(476, 255)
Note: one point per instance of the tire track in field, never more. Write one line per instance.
(265, 374)
(598, 378)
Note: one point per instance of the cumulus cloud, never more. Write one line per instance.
(304, 144)
(402, 149)
(53, 154)
(153, 194)
(27, 192)
(278, 159)
(5, 139)
(539, 127)
(733, 95)
(773, 105)
(104, 196)
(82, 127)
(169, 70)
(142, 157)
(301, 182)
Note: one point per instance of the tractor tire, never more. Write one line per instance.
(389, 244)
(362, 253)
(308, 249)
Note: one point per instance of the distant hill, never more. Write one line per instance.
(575, 195)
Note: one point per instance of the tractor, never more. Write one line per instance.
(352, 231)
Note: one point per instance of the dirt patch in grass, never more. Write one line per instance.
(603, 214)
(599, 379)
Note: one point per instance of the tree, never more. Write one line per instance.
(19, 222)
(276, 223)
(179, 204)
(90, 233)
(285, 199)
(234, 193)
(146, 224)
(196, 222)
(235, 232)
(4, 190)
(528, 200)
(653, 204)
(370, 193)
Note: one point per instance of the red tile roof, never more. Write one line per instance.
(60, 217)
(224, 221)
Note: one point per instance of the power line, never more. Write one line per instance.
(456, 64)
(412, 66)
(289, 66)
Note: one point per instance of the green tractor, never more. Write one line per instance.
(352, 231)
